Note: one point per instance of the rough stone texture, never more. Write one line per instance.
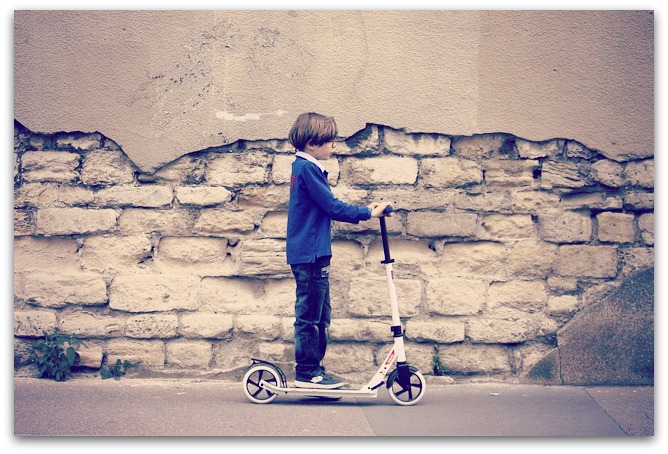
(590, 353)
(500, 245)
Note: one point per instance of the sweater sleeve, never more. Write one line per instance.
(321, 194)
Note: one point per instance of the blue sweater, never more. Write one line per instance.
(311, 209)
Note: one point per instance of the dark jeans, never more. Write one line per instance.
(313, 314)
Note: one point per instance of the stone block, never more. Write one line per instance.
(74, 221)
(153, 292)
(369, 296)
(466, 358)
(531, 259)
(455, 296)
(474, 260)
(44, 166)
(146, 196)
(365, 140)
(412, 199)
(504, 227)
(187, 170)
(189, 354)
(359, 330)
(193, 251)
(349, 359)
(646, 227)
(225, 221)
(565, 226)
(115, 252)
(271, 196)
(265, 257)
(534, 150)
(435, 224)
(206, 325)
(450, 173)
(32, 323)
(562, 305)
(261, 327)
(382, 170)
(587, 261)
(165, 222)
(232, 296)
(528, 296)
(274, 225)
(440, 331)
(232, 354)
(484, 202)
(40, 253)
(634, 259)
(279, 296)
(502, 172)
(90, 355)
(60, 288)
(23, 224)
(106, 167)
(589, 200)
(477, 146)
(499, 329)
(615, 227)
(152, 326)
(238, 169)
(609, 173)
(408, 254)
(203, 195)
(636, 200)
(50, 195)
(400, 142)
(92, 324)
(79, 141)
(533, 202)
(149, 354)
(639, 173)
(561, 174)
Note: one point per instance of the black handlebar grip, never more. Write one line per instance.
(388, 209)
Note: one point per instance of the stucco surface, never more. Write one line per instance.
(166, 83)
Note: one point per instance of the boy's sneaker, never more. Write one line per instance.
(321, 380)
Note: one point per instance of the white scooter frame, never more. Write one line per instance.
(265, 381)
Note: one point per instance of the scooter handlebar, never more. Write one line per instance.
(383, 234)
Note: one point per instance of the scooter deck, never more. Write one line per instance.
(363, 391)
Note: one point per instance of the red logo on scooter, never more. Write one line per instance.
(389, 358)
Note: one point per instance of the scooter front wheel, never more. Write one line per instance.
(408, 393)
(256, 393)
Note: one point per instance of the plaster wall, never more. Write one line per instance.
(167, 83)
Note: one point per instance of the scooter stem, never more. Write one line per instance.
(396, 321)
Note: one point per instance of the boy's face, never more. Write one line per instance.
(322, 152)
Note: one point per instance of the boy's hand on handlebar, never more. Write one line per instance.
(377, 209)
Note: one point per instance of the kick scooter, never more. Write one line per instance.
(265, 381)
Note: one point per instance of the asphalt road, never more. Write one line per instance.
(148, 407)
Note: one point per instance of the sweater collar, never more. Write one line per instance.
(308, 157)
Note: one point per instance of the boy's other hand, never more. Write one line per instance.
(378, 208)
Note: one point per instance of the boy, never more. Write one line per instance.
(310, 212)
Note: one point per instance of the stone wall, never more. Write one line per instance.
(499, 242)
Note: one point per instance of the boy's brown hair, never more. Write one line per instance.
(312, 128)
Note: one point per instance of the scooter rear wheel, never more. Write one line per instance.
(256, 393)
(410, 393)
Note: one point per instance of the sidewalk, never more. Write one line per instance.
(182, 407)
